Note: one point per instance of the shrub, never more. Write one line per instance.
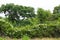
(25, 37)
(39, 30)
(2, 38)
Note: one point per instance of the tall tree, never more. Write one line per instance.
(56, 10)
(43, 15)
(16, 12)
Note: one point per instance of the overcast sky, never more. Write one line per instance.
(45, 4)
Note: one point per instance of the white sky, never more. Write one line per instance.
(45, 4)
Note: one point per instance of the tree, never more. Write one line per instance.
(43, 15)
(56, 10)
(16, 12)
(56, 13)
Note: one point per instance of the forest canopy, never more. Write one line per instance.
(21, 20)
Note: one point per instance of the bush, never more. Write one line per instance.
(2, 38)
(40, 30)
(25, 37)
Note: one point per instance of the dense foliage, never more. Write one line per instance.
(22, 20)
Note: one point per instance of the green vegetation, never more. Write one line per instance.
(2, 38)
(25, 37)
(22, 21)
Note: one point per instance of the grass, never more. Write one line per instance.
(46, 39)
(27, 38)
